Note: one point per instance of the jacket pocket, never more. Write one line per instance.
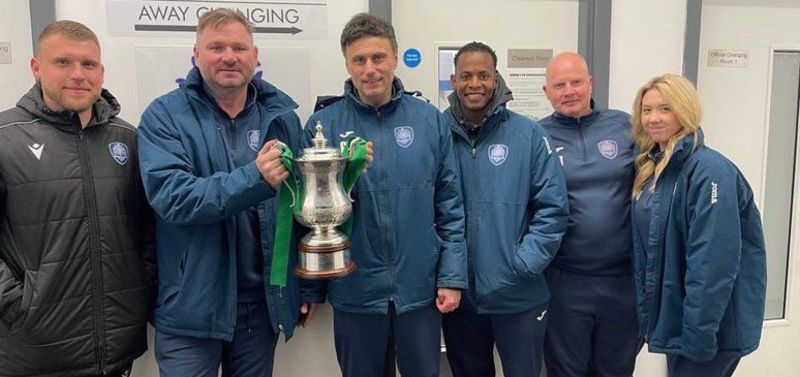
(166, 293)
(520, 268)
(28, 289)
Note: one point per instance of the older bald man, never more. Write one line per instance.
(592, 328)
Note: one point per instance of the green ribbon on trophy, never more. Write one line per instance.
(291, 197)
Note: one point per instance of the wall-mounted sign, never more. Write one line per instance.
(525, 78)
(412, 57)
(277, 19)
(5, 52)
(728, 58)
(446, 68)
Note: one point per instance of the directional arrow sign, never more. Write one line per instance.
(287, 19)
(262, 30)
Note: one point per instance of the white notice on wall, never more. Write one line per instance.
(525, 78)
(275, 19)
(728, 58)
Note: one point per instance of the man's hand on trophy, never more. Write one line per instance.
(306, 313)
(269, 164)
(369, 157)
(447, 299)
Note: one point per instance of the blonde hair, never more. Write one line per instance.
(219, 16)
(681, 96)
(69, 29)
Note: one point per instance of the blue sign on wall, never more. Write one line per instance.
(412, 57)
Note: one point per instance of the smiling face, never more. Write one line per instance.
(371, 62)
(569, 85)
(658, 118)
(474, 82)
(226, 57)
(70, 73)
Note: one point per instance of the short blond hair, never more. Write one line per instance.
(219, 16)
(69, 29)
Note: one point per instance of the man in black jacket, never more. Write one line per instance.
(76, 245)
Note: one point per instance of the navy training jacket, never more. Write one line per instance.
(408, 226)
(516, 209)
(701, 277)
(191, 185)
(596, 153)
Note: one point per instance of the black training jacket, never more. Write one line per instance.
(76, 244)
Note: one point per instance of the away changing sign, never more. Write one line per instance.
(293, 19)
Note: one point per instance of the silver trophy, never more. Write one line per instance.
(325, 251)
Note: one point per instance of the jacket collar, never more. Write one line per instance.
(351, 94)
(683, 149)
(105, 108)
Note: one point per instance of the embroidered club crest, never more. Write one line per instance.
(608, 148)
(119, 152)
(253, 139)
(498, 154)
(404, 136)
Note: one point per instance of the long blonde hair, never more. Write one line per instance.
(682, 98)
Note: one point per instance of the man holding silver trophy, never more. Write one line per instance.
(213, 179)
(407, 217)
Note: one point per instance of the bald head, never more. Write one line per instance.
(569, 85)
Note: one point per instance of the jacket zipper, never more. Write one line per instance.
(471, 222)
(468, 209)
(583, 139)
(657, 275)
(94, 252)
(228, 166)
(233, 133)
(389, 261)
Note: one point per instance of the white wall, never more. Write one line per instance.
(646, 41)
(15, 27)
(735, 104)
(506, 24)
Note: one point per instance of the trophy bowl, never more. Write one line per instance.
(324, 253)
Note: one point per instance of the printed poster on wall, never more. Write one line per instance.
(273, 19)
(525, 77)
(161, 69)
(446, 68)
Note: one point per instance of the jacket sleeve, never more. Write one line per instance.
(449, 215)
(175, 192)
(713, 253)
(548, 208)
(10, 286)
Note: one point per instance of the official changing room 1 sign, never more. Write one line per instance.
(281, 19)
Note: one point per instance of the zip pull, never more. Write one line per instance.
(474, 152)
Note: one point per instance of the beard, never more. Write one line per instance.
(72, 103)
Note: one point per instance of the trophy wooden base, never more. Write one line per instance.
(324, 262)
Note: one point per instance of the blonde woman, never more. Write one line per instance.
(699, 258)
